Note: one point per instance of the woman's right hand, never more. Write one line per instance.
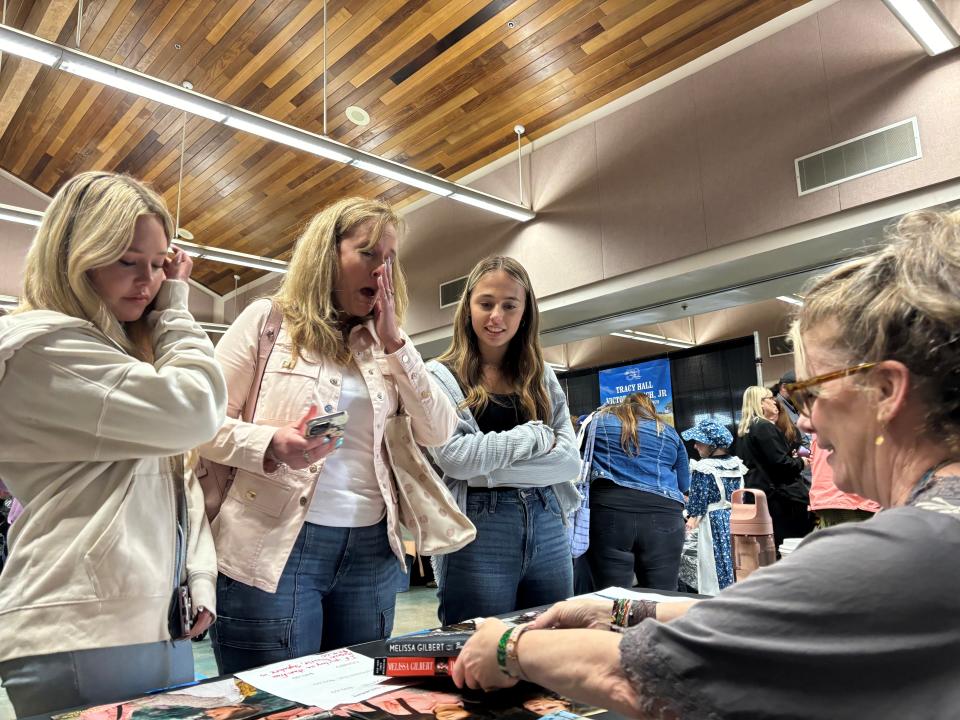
(590, 614)
(290, 447)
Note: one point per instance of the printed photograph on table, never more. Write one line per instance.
(230, 699)
(651, 377)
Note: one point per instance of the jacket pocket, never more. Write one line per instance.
(261, 493)
(133, 557)
(287, 388)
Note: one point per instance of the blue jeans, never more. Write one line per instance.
(520, 558)
(338, 588)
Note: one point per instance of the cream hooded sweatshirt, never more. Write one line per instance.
(86, 435)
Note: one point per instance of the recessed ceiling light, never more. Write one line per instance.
(184, 234)
(357, 115)
(511, 24)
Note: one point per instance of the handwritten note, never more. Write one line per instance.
(325, 680)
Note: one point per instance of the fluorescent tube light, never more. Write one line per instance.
(9, 301)
(927, 23)
(790, 299)
(26, 46)
(231, 257)
(20, 215)
(288, 135)
(214, 328)
(402, 174)
(146, 87)
(559, 367)
(655, 339)
(501, 209)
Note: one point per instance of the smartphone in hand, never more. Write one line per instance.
(323, 424)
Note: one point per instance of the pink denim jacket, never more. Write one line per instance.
(263, 513)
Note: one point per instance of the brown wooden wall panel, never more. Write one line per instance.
(466, 79)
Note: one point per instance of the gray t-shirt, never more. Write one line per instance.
(862, 621)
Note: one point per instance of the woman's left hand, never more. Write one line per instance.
(385, 311)
(201, 623)
(477, 666)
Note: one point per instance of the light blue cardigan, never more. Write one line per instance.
(514, 458)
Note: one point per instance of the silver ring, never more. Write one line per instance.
(306, 456)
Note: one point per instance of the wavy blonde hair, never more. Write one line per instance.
(752, 407)
(900, 303)
(89, 224)
(633, 409)
(305, 296)
(523, 366)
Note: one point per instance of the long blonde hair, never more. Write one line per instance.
(901, 303)
(306, 294)
(752, 407)
(523, 366)
(89, 224)
(630, 412)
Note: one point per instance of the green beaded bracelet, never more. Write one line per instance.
(502, 650)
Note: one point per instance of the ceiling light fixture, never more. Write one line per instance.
(651, 338)
(24, 44)
(357, 115)
(20, 215)
(790, 299)
(231, 257)
(926, 22)
(214, 328)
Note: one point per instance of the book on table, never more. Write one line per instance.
(413, 666)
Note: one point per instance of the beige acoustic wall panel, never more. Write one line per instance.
(650, 195)
(886, 77)
(201, 305)
(757, 111)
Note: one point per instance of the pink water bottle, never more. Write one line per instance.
(751, 529)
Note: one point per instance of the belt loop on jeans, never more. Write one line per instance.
(492, 502)
(542, 494)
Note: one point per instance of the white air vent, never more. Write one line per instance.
(870, 153)
(779, 345)
(451, 291)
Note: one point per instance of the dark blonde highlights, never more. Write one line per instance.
(900, 303)
(306, 295)
(523, 365)
(630, 412)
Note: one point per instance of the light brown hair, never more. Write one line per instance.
(523, 366)
(630, 412)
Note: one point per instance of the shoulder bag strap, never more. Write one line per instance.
(268, 339)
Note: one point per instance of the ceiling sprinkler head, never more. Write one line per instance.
(184, 234)
(511, 24)
(187, 84)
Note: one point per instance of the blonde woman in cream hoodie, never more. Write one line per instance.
(105, 378)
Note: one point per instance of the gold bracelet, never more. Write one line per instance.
(512, 664)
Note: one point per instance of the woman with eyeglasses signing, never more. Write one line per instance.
(863, 619)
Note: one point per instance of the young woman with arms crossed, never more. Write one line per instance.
(308, 540)
(103, 376)
(512, 458)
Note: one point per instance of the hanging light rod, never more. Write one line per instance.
(9, 301)
(20, 215)
(29, 46)
(11, 213)
(926, 22)
(651, 338)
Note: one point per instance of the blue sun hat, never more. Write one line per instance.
(709, 432)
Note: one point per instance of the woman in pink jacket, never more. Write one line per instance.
(308, 543)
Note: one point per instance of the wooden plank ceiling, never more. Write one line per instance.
(444, 82)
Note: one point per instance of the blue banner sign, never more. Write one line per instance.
(652, 378)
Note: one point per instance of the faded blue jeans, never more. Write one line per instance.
(520, 558)
(338, 588)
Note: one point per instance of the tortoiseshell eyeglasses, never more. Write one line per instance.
(802, 397)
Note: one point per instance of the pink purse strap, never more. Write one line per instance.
(268, 338)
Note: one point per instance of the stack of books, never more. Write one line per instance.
(423, 654)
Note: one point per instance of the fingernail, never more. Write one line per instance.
(325, 440)
(339, 442)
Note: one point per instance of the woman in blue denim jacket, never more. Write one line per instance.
(640, 473)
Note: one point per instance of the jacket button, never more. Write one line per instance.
(370, 371)
(425, 394)
(379, 396)
(251, 494)
(328, 408)
(404, 358)
(334, 381)
(313, 468)
(303, 501)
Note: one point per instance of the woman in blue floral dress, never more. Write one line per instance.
(715, 470)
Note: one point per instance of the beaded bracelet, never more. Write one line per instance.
(627, 613)
(620, 615)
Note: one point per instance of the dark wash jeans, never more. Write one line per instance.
(520, 558)
(338, 588)
(646, 542)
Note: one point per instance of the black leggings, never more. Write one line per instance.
(646, 542)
